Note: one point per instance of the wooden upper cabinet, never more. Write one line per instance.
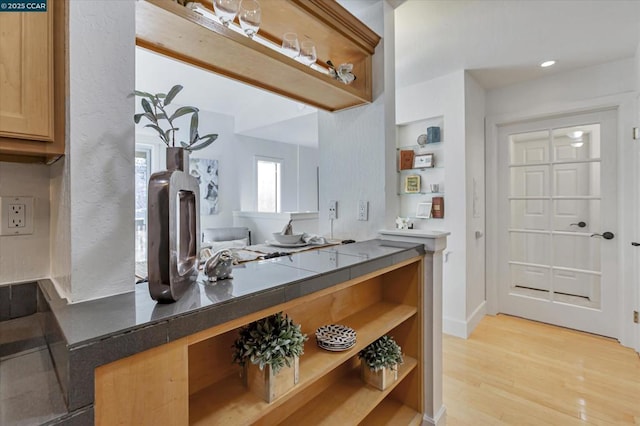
(168, 28)
(28, 79)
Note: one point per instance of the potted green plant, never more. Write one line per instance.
(269, 351)
(173, 199)
(379, 362)
(164, 123)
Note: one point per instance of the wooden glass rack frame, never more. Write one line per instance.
(168, 28)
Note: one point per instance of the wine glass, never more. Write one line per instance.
(226, 10)
(308, 55)
(290, 45)
(249, 16)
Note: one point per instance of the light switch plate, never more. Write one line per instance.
(363, 210)
(16, 215)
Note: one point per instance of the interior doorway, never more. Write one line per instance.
(557, 204)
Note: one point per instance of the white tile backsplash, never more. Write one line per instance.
(26, 257)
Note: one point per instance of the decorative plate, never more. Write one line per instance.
(285, 245)
(422, 140)
(335, 335)
(335, 348)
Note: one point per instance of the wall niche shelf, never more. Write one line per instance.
(168, 28)
(422, 148)
(407, 135)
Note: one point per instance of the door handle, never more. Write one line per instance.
(635, 244)
(579, 224)
(606, 235)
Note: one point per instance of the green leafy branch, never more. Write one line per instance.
(274, 340)
(154, 107)
(384, 352)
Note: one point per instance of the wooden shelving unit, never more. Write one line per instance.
(168, 28)
(348, 402)
(209, 388)
(208, 407)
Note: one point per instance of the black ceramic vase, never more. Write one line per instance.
(174, 229)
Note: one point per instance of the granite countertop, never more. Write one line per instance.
(254, 286)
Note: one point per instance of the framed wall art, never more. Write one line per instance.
(421, 161)
(206, 171)
(412, 184)
(424, 210)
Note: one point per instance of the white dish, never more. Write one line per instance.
(286, 245)
(334, 348)
(336, 335)
(287, 238)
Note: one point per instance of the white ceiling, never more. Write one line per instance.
(502, 42)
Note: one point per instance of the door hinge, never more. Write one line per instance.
(636, 133)
(636, 317)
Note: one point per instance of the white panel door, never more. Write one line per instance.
(557, 195)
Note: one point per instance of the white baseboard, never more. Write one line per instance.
(463, 329)
(440, 419)
(475, 318)
(454, 327)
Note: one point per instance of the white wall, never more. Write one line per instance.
(605, 85)
(298, 170)
(26, 257)
(445, 96)
(354, 146)
(475, 208)
(93, 186)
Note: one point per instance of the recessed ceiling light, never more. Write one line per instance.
(576, 134)
(547, 64)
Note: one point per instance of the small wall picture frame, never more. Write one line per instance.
(422, 161)
(424, 210)
(412, 184)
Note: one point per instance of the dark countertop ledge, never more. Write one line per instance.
(254, 286)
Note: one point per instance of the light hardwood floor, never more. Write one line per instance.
(517, 372)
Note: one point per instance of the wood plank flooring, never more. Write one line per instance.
(517, 372)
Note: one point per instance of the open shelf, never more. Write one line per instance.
(236, 405)
(425, 147)
(392, 412)
(347, 402)
(168, 28)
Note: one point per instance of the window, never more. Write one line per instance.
(268, 173)
(142, 173)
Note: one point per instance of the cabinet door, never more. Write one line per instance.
(26, 75)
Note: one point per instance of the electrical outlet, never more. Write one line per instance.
(333, 209)
(363, 210)
(16, 215)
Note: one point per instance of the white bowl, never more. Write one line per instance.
(287, 239)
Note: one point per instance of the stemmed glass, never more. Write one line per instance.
(290, 45)
(226, 10)
(249, 16)
(308, 55)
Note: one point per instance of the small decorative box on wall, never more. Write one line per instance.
(406, 159)
(437, 210)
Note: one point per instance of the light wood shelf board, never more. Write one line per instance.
(392, 412)
(173, 30)
(238, 406)
(348, 402)
(239, 322)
